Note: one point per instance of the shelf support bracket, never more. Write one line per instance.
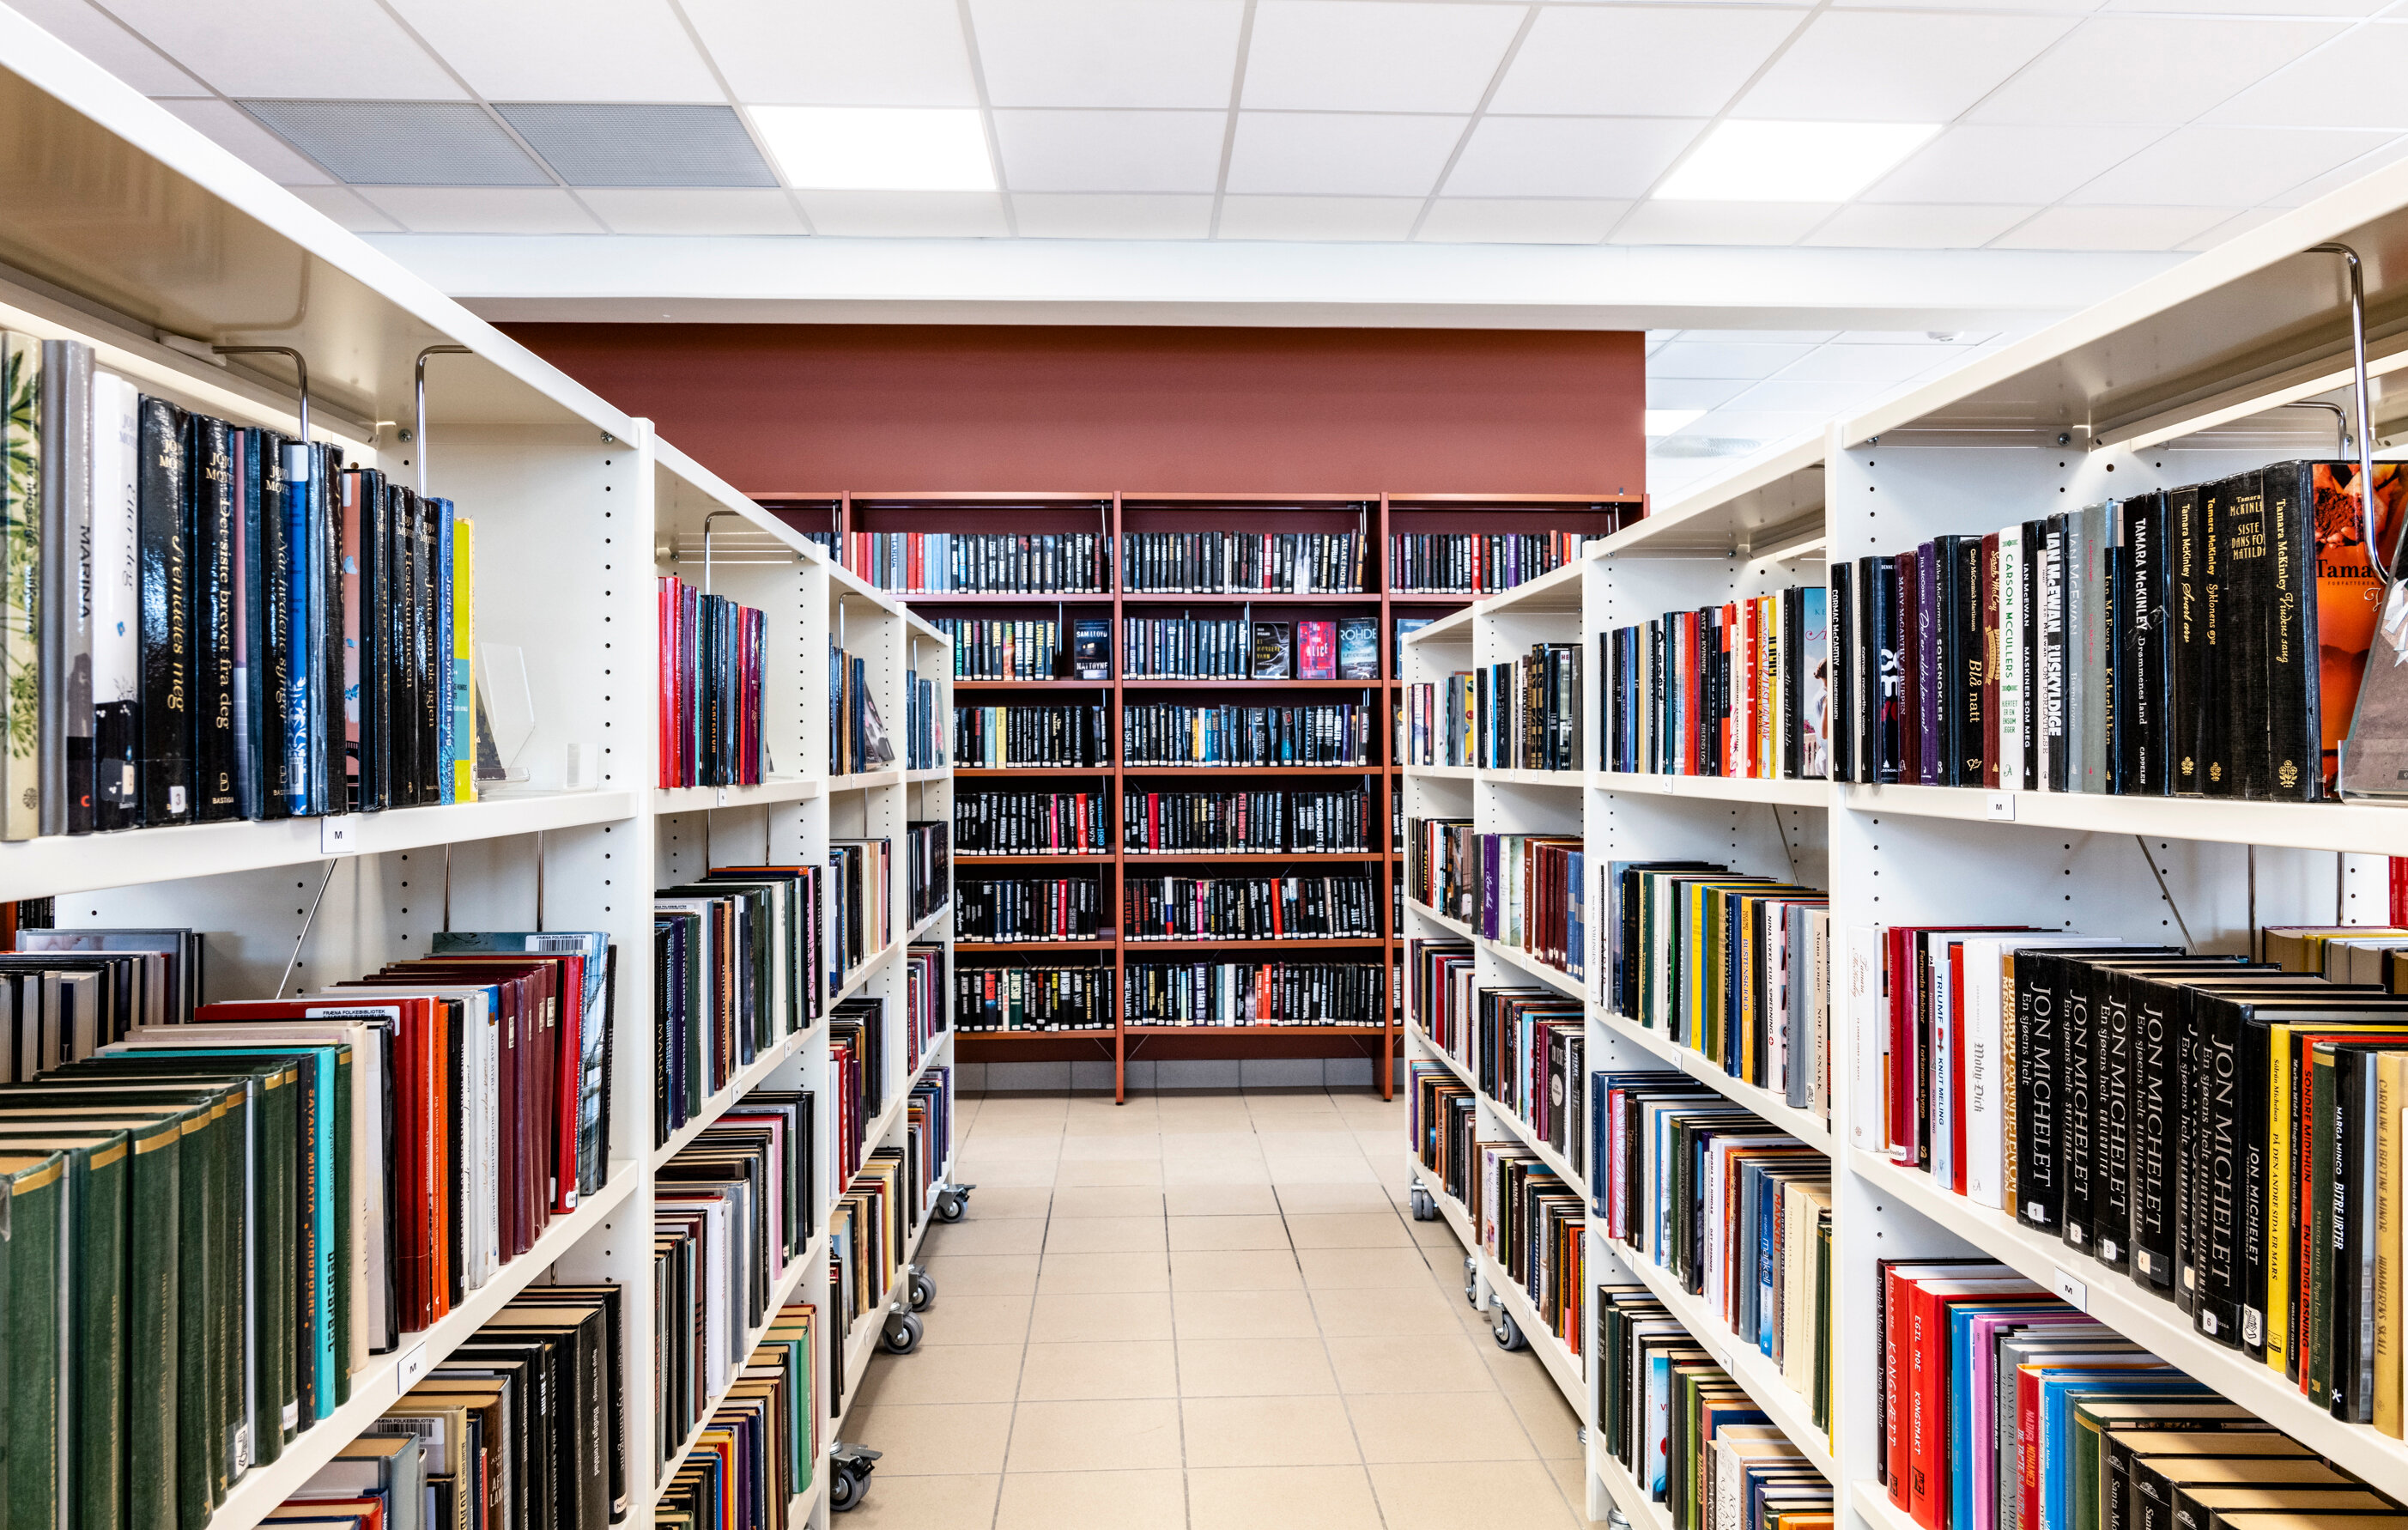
(418, 396)
(2167, 893)
(297, 453)
(2374, 555)
(302, 938)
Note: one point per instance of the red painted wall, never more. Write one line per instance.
(926, 408)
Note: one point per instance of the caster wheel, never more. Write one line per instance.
(922, 1292)
(845, 1490)
(1472, 1281)
(902, 1334)
(1508, 1333)
(949, 1205)
(1425, 1205)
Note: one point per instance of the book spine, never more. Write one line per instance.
(211, 465)
(2214, 696)
(22, 554)
(166, 554)
(116, 604)
(2294, 722)
(2055, 656)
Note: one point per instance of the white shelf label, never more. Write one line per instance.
(2076, 1295)
(2002, 806)
(412, 1369)
(338, 835)
(1664, 784)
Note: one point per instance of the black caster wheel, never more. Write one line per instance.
(952, 1204)
(921, 1291)
(1425, 1205)
(1508, 1332)
(851, 1466)
(902, 1334)
(1472, 1281)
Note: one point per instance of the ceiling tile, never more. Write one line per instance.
(1721, 222)
(1111, 150)
(295, 47)
(1876, 225)
(348, 209)
(839, 52)
(2192, 64)
(1461, 221)
(1871, 364)
(1785, 394)
(565, 50)
(2254, 8)
(1965, 339)
(403, 143)
(1108, 52)
(1353, 219)
(2113, 228)
(2015, 166)
(1635, 61)
(2308, 191)
(1043, 216)
(1568, 156)
(1693, 393)
(2230, 228)
(621, 143)
(482, 210)
(697, 210)
(1748, 336)
(1374, 55)
(1749, 360)
(2330, 89)
(1897, 66)
(2234, 166)
(906, 215)
(97, 37)
(241, 136)
(1340, 154)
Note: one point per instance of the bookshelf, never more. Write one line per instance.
(1117, 516)
(568, 496)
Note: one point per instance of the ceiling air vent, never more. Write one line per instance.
(402, 143)
(621, 145)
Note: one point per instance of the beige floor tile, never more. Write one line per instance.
(1470, 1496)
(1243, 1314)
(1417, 1364)
(921, 1503)
(1094, 1317)
(933, 1439)
(1228, 1233)
(1376, 1312)
(1010, 1174)
(999, 1148)
(1110, 1171)
(1221, 1200)
(1105, 1235)
(1339, 1269)
(1215, 1171)
(1127, 1435)
(983, 1275)
(1320, 1171)
(1124, 1121)
(1311, 1199)
(1253, 1367)
(1446, 1427)
(1004, 1202)
(952, 1373)
(1098, 1368)
(1572, 1481)
(1145, 1146)
(1279, 1140)
(1435, 1235)
(1551, 1424)
(961, 1317)
(1092, 1500)
(1073, 1274)
(1105, 1201)
(1312, 1431)
(1244, 1269)
(1259, 1497)
(1345, 1230)
(1237, 1142)
(983, 1233)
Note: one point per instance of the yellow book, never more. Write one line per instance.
(464, 659)
(2391, 1092)
(2278, 1203)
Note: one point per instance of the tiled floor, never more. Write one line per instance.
(1205, 1312)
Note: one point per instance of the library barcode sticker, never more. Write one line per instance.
(2076, 1295)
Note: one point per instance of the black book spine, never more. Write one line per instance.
(1890, 664)
(2222, 1284)
(210, 459)
(2185, 638)
(1944, 654)
(401, 724)
(2214, 696)
(2294, 720)
(2110, 1117)
(2156, 1039)
(2112, 675)
(2076, 1096)
(1842, 725)
(272, 654)
(2055, 654)
(2039, 1195)
(2354, 1187)
(166, 553)
(2141, 701)
(2034, 741)
(2241, 630)
(1972, 661)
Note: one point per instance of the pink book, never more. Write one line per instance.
(1317, 650)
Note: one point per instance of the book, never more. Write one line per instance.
(1091, 650)
(1269, 652)
(1206, 995)
(1405, 628)
(1317, 650)
(1358, 647)
(1238, 562)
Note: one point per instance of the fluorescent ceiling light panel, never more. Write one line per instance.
(879, 148)
(1665, 421)
(1791, 162)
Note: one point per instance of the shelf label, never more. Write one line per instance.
(2002, 806)
(338, 834)
(411, 1370)
(1665, 784)
(2076, 1295)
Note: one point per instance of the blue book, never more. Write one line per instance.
(447, 746)
(303, 731)
(1576, 916)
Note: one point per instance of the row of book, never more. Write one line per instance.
(2208, 641)
(67, 994)
(1526, 891)
(1255, 823)
(1735, 967)
(1527, 1219)
(924, 737)
(712, 654)
(884, 1202)
(857, 740)
(759, 1449)
(858, 1051)
(1183, 733)
(990, 648)
(1219, 994)
(928, 868)
(925, 1017)
(979, 563)
(1476, 562)
(1690, 1437)
(202, 621)
(1742, 689)
(1522, 1047)
(861, 901)
(1338, 908)
(1296, 563)
(1012, 822)
(1192, 648)
(1735, 1210)
(1027, 909)
(739, 963)
(2000, 1404)
(1032, 998)
(992, 738)
(1524, 714)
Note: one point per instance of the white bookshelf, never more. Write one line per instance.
(137, 234)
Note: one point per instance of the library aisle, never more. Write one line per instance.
(1206, 1310)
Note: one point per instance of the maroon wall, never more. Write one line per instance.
(926, 408)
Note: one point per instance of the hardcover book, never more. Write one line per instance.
(1317, 650)
(1271, 650)
(1358, 647)
(1091, 649)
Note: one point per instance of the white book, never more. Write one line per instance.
(1988, 1005)
(2011, 678)
(1868, 1042)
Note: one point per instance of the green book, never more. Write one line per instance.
(34, 1335)
(99, 1164)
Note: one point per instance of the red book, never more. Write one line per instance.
(1743, 708)
(1317, 650)
(1990, 646)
